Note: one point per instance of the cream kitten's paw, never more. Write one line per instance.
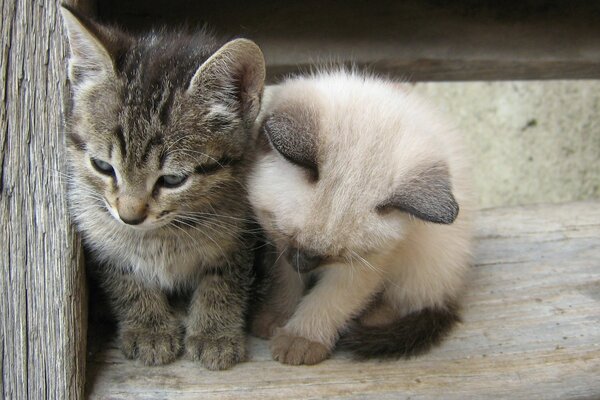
(152, 347)
(216, 353)
(296, 350)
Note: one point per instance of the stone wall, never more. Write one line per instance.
(531, 141)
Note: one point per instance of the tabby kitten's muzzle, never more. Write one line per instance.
(303, 260)
(132, 211)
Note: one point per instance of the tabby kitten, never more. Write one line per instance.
(159, 144)
(358, 182)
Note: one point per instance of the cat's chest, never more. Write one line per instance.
(166, 260)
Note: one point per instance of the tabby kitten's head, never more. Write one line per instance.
(159, 122)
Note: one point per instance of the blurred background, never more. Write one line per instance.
(519, 79)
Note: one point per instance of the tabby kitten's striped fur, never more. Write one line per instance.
(159, 142)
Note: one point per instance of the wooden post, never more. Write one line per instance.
(42, 285)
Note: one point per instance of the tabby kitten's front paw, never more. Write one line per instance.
(216, 353)
(151, 346)
(296, 350)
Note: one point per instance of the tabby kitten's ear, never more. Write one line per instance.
(233, 77)
(427, 196)
(90, 57)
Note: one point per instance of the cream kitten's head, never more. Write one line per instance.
(347, 165)
(159, 124)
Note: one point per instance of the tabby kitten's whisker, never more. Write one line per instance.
(196, 213)
(207, 236)
(212, 224)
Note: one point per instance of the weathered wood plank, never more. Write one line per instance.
(416, 40)
(42, 288)
(531, 330)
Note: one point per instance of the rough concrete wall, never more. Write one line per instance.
(532, 141)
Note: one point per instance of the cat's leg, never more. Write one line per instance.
(215, 327)
(285, 291)
(309, 336)
(379, 314)
(148, 328)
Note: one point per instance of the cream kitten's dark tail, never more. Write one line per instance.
(407, 336)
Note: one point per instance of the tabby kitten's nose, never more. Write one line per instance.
(135, 221)
(303, 260)
(131, 211)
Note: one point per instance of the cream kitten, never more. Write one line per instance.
(358, 184)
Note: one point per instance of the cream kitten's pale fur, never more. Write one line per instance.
(358, 183)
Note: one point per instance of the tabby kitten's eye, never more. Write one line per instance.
(103, 167)
(171, 181)
(206, 169)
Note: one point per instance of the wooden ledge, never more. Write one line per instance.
(411, 39)
(531, 330)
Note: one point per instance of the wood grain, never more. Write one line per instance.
(531, 330)
(42, 288)
(411, 39)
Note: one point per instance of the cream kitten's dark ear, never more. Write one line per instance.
(427, 196)
(234, 77)
(293, 134)
(89, 58)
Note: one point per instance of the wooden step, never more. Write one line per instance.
(531, 330)
(413, 39)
